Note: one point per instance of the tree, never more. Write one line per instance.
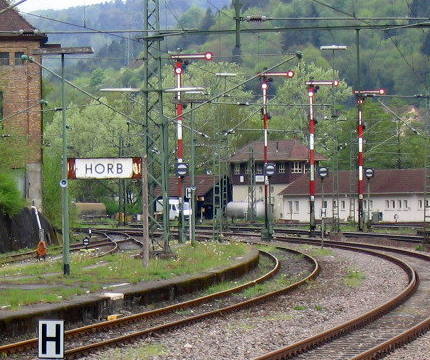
(419, 8)
(11, 201)
(425, 47)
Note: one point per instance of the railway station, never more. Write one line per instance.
(216, 179)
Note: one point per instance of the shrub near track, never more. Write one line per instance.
(91, 274)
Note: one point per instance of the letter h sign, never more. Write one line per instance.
(51, 339)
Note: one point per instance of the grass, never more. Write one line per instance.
(299, 307)
(420, 248)
(89, 274)
(278, 316)
(144, 352)
(354, 278)
(316, 251)
(15, 298)
(279, 283)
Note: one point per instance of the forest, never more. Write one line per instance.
(396, 60)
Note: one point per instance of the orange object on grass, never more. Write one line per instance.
(41, 248)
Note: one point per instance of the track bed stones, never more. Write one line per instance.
(321, 304)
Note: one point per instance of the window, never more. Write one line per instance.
(4, 58)
(393, 204)
(365, 204)
(427, 203)
(236, 169)
(259, 169)
(405, 204)
(371, 204)
(296, 168)
(281, 168)
(342, 204)
(387, 204)
(334, 204)
(296, 204)
(247, 169)
(399, 203)
(420, 204)
(18, 60)
(324, 204)
(290, 207)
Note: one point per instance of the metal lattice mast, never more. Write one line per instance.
(156, 125)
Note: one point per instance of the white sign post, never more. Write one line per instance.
(51, 339)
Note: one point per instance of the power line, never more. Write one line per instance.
(82, 27)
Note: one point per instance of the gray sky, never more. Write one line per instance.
(31, 5)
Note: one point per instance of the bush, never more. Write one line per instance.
(11, 200)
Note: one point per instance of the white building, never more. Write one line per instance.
(396, 194)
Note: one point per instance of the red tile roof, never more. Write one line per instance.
(279, 150)
(11, 20)
(203, 183)
(385, 181)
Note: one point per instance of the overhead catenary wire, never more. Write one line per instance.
(90, 30)
(235, 87)
(426, 24)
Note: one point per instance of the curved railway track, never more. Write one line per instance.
(379, 331)
(105, 326)
(108, 240)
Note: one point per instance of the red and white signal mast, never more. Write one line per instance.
(181, 60)
(360, 95)
(313, 87)
(269, 169)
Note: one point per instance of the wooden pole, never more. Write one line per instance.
(145, 210)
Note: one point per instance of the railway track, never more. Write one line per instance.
(119, 324)
(202, 229)
(379, 331)
(105, 239)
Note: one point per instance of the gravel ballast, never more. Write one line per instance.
(319, 305)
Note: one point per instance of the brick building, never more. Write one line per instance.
(290, 158)
(20, 94)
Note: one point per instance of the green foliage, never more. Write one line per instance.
(116, 267)
(11, 201)
(51, 190)
(354, 278)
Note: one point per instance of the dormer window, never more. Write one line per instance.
(297, 167)
(4, 58)
(236, 169)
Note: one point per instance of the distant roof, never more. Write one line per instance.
(203, 183)
(12, 21)
(385, 181)
(279, 150)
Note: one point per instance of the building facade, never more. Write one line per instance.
(246, 170)
(392, 195)
(20, 95)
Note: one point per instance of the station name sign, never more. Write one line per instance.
(105, 168)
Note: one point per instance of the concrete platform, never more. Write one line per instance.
(98, 306)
